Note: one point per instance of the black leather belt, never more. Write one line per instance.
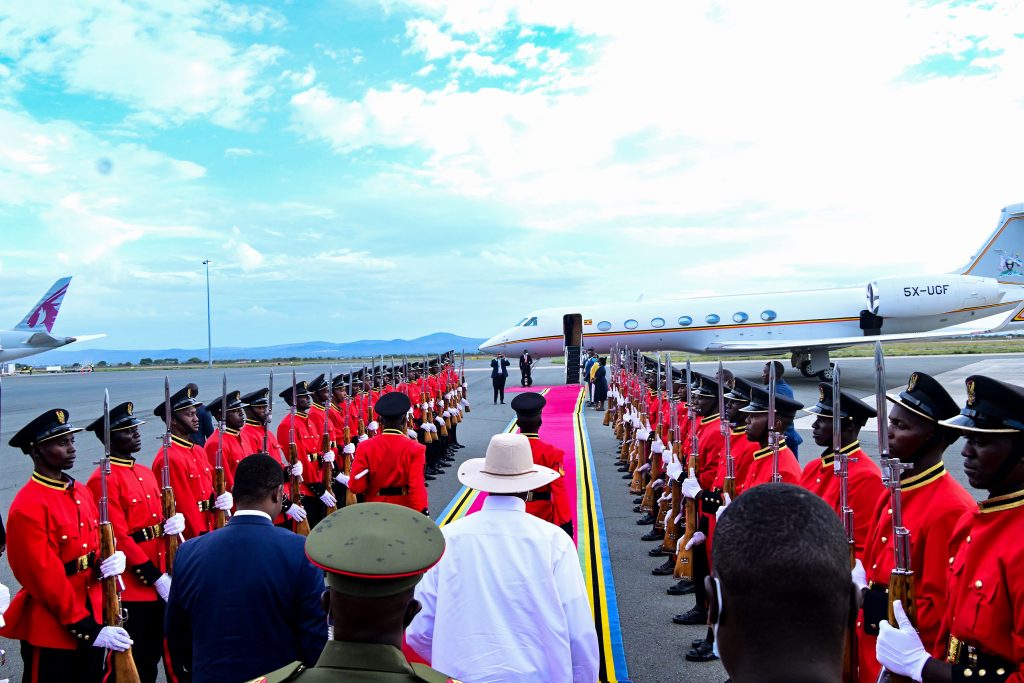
(394, 491)
(147, 533)
(80, 564)
(876, 607)
(205, 505)
(534, 496)
(970, 663)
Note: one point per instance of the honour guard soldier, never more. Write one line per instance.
(865, 478)
(191, 474)
(761, 466)
(389, 468)
(549, 502)
(258, 438)
(983, 627)
(53, 548)
(307, 443)
(234, 448)
(932, 503)
(371, 594)
(133, 503)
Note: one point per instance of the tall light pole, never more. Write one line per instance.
(209, 333)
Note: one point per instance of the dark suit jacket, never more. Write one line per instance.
(499, 370)
(244, 600)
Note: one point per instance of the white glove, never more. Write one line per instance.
(698, 538)
(424, 406)
(674, 470)
(859, 576)
(342, 478)
(113, 565)
(296, 469)
(657, 484)
(5, 598)
(642, 434)
(329, 500)
(691, 487)
(174, 525)
(900, 650)
(373, 426)
(363, 437)
(349, 449)
(113, 638)
(163, 586)
(439, 420)
(666, 457)
(329, 456)
(726, 499)
(224, 501)
(646, 467)
(411, 433)
(296, 513)
(657, 447)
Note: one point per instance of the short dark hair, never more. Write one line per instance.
(780, 369)
(257, 476)
(783, 559)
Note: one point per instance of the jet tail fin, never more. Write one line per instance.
(44, 313)
(1002, 256)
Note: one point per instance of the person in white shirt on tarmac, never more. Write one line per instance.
(507, 602)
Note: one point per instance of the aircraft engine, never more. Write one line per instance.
(920, 295)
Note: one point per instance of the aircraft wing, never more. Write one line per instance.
(985, 325)
(87, 337)
(48, 340)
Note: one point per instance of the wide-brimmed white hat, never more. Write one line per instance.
(507, 467)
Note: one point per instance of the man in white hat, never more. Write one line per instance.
(507, 601)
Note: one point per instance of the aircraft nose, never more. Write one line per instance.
(493, 344)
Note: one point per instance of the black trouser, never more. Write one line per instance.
(499, 387)
(84, 664)
(452, 437)
(315, 509)
(700, 564)
(527, 379)
(145, 624)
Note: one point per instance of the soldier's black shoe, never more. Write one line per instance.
(646, 520)
(627, 475)
(429, 477)
(665, 568)
(624, 468)
(658, 551)
(701, 653)
(683, 587)
(637, 508)
(653, 535)
(697, 641)
(695, 617)
(637, 501)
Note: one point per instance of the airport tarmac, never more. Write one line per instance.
(654, 647)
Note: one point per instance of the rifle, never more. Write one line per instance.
(219, 484)
(326, 468)
(346, 458)
(301, 528)
(684, 558)
(654, 460)
(124, 667)
(773, 435)
(167, 493)
(841, 469)
(729, 483)
(270, 414)
(901, 580)
(675, 504)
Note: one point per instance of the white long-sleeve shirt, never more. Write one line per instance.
(507, 602)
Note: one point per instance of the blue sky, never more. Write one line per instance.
(377, 169)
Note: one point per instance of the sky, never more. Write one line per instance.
(391, 168)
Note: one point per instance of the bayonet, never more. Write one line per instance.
(167, 493)
(219, 484)
(269, 414)
(729, 483)
(773, 435)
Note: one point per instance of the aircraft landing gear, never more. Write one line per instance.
(814, 364)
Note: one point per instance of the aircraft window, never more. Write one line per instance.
(713, 319)
(685, 320)
(631, 324)
(521, 322)
(740, 317)
(768, 315)
(532, 322)
(657, 322)
(604, 326)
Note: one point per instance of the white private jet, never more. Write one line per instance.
(984, 296)
(32, 334)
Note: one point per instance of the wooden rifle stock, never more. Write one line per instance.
(326, 468)
(123, 663)
(167, 504)
(301, 528)
(220, 487)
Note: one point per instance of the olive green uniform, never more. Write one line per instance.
(358, 663)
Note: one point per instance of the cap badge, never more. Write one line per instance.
(913, 382)
(188, 391)
(971, 398)
(821, 394)
(61, 416)
(129, 408)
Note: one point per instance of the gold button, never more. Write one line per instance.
(148, 496)
(977, 584)
(78, 502)
(81, 524)
(968, 539)
(951, 560)
(64, 538)
(890, 511)
(968, 673)
(84, 545)
(134, 500)
(874, 566)
(883, 539)
(1000, 671)
(981, 672)
(818, 480)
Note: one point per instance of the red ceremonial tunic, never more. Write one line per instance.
(393, 461)
(307, 445)
(556, 508)
(51, 523)
(985, 607)
(933, 502)
(252, 440)
(709, 444)
(316, 421)
(134, 507)
(759, 470)
(192, 482)
(339, 417)
(235, 449)
(865, 488)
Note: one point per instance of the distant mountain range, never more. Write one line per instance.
(430, 344)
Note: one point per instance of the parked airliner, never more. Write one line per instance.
(32, 334)
(985, 295)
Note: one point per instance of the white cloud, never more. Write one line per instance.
(248, 258)
(426, 70)
(481, 65)
(300, 79)
(429, 39)
(161, 59)
(239, 152)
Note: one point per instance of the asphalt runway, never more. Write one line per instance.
(654, 646)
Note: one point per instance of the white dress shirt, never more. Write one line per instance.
(507, 602)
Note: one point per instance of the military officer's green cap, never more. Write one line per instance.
(374, 549)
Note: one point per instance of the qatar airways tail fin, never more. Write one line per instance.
(44, 314)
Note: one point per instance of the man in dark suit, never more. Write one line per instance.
(499, 373)
(526, 368)
(245, 599)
